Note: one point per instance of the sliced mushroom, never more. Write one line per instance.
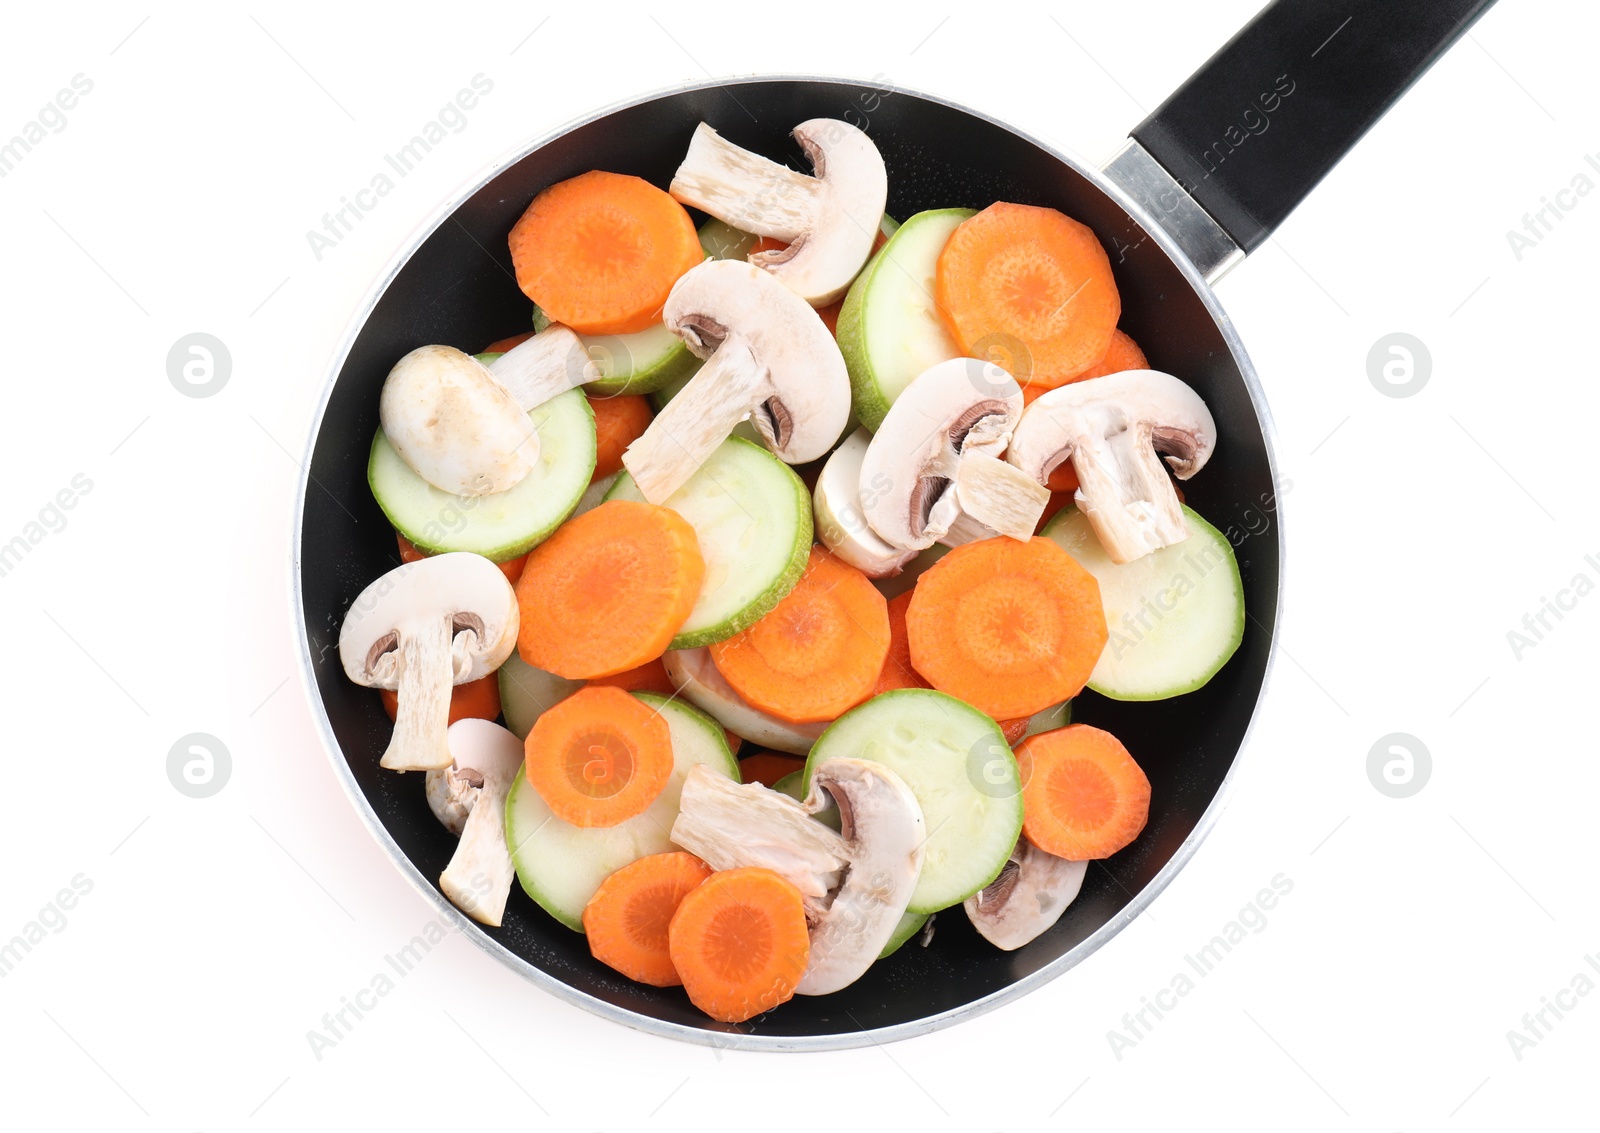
(770, 358)
(936, 455)
(469, 798)
(840, 523)
(463, 426)
(855, 883)
(829, 220)
(1111, 428)
(695, 675)
(1033, 890)
(420, 629)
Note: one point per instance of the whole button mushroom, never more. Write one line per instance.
(769, 357)
(463, 426)
(829, 221)
(1112, 429)
(421, 629)
(934, 464)
(469, 798)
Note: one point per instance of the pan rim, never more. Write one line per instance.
(707, 1036)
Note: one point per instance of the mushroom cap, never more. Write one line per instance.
(466, 589)
(840, 522)
(455, 424)
(801, 391)
(821, 262)
(882, 826)
(954, 407)
(1161, 410)
(1030, 894)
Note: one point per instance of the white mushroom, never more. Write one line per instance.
(1111, 428)
(695, 676)
(855, 883)
(463, 426)
(829, 220)
(770, 358)
(420, 629)
(1033, 890)
(936, 456)
(469, 798)
(838, 518)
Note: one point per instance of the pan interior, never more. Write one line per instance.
(457, 288)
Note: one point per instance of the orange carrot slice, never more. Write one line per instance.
(479, 699)
(1058, 500)
(1033, 274)
(768, 767)
(627, 919)
(739, 943)
(897, 671)
(501, 345)
(1007, 626)
(598, 757)
(818, 652)
(1122, 354)
(1015, 729)
(410, 553)
(1083, 796)
(599, 252)
(618, 422)
(649, 677)
(734, 742)
(608, 590)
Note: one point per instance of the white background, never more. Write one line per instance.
(218, 931)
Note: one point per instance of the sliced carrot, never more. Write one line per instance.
(1014, 729)
(618, 422)
(410, 553)
(608, 590)
(599, 252)
(1083, 796)
(739, 943)
(501, 345)
(649, 677)
(627, 919)
(1063, 478)
(598, 757)
(1007, 626)
(1122, 354)
(1058, 500)
(897, 671)
(734, 742)
(1033, 274)
(479, 699)
(767, 767)
(818, 652)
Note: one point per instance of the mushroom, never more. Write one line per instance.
(839, 521)
(463, 426)
(855, 883)
(420, 629)
(828, 220)
(1033, 890)
(696, 677)
(770, 358)
(469, 798)
(1111, 428)
(936, 456)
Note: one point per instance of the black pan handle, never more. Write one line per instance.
(1254, 129)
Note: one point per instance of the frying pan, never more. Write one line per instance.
(1200, 183)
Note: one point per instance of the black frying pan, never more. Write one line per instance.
(1203, 181)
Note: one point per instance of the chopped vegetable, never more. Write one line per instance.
(897, 671)
(600, 251)
(469, 798)
(1032, 274)
(1009, 627)
(410, 553)
(627, 919)
(768, 767)
(608, 591)
(739, 943)
(651, 677)
(699, 682)
(618, 422)
(479, 700)
(1083, 794)
(599, 757)
(819, 651)
(501, 345)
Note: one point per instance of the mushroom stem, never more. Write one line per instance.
(690, 426)
(744, 189)
(478, 878)
(1000, 497)
(545, 366)
(1127, 496)
(425, 672)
